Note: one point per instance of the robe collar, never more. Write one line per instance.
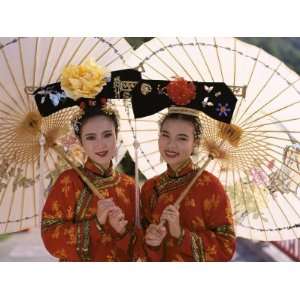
(98, 169)
(186, 167)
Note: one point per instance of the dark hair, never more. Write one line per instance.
(91, 112)
(192, 119)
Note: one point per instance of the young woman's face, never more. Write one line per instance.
(176, 141)
(98, 138)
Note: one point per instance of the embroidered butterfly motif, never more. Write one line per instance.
(208, 89)
(206, 102)
(54, 96)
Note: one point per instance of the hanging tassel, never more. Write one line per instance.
(42, 142)
(136, 146)
(196, 154)
(117, 153)
(230, 133)
(161, 160)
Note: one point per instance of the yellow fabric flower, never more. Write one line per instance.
(83, 81)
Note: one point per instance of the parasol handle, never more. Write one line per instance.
(187, 189)
(83, 177)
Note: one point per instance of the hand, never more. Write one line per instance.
(171, 215)
(155, 235)
(117, 220)
(104, 206)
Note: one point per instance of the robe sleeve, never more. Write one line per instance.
(62, 236)
(215, 241)
(123, 244)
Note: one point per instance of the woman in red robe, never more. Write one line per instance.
(76, 225)
(201, 229)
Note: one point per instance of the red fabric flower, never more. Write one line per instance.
(82, 105)
(92, 103)
(181, 91)
(103, 101)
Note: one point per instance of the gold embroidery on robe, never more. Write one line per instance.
(61, 253)
(198, 223)
(210, 252)
(197, 248)
(190, 202)
(121, 194)
(56, 232)
(70, 236)
(66, 183)
(211, 203)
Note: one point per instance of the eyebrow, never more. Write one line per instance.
(93, 133)
(89, 134)
(182, 135)
(164, 131)
(107, 131)
(179, 135)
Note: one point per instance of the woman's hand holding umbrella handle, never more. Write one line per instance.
(155, 235)
(117, 220)
(171, 215)
(104, 207)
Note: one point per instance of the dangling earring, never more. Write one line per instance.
(196, 153)
(116, 155)
(117, 151)
(161, 160)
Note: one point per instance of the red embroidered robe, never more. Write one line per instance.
(70, 230)
(205, 216)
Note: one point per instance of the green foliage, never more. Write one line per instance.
(135, 42)
(287, 49)
(3, 237)
(128, 167)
